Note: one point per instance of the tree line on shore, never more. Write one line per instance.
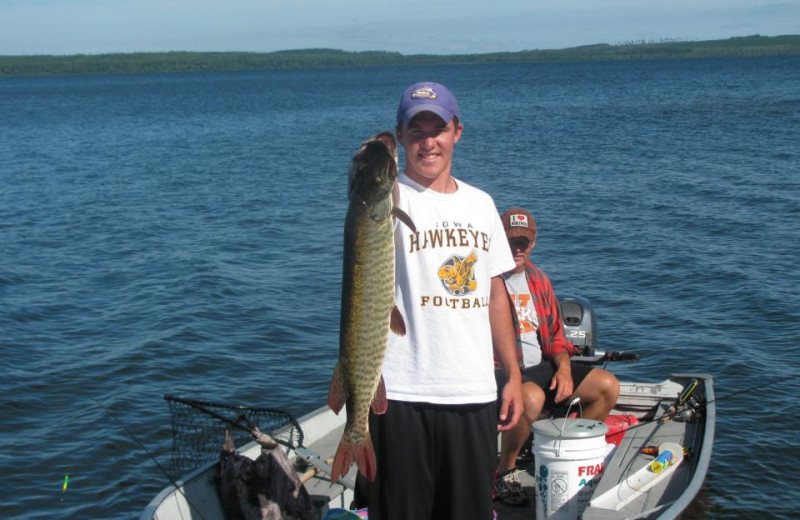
(150, 62)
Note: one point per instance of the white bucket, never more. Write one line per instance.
(570, 456)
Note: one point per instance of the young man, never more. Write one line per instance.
(436, 444)
(544, 353)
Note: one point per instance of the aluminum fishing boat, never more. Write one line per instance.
(678, 411)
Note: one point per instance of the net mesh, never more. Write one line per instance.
(198, 430)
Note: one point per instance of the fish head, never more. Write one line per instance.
(373, 170)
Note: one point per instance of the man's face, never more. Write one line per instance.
(428, 143)
(521, 249)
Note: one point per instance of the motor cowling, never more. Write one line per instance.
(580, 323)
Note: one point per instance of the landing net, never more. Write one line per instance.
(198, 430)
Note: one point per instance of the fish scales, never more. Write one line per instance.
(366, 326)
(367, 301)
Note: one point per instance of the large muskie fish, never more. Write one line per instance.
(368, 302)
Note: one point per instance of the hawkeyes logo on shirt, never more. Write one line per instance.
(457, 274)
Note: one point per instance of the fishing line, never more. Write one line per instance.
(704, 402)
(143, 448)
(756, 387)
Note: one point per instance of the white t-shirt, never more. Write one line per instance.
(443, 284)
(528, 320)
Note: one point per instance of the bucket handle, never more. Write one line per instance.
(575, 401)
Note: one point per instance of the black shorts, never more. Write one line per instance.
(541, 375)
(434, 461)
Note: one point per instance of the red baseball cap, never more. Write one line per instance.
(519, 223)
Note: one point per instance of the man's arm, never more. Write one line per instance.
(562, 348)
(562, 379)
(503, 339)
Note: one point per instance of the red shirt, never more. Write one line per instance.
(551, 328)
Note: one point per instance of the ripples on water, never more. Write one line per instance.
(181, 234)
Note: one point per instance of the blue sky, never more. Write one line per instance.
(407, 26)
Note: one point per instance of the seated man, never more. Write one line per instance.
(544, 353)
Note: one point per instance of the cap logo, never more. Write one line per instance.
(424, 93)
(519, 221)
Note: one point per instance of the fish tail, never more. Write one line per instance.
(362, 453)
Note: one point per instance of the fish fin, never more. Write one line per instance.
(366, 460)
(337, 393)
(403, 217)
(379, 402)
(362, 454)
(342, 460)
(396, 322)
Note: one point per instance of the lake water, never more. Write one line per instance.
(181, 233)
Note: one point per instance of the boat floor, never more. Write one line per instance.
(625, 461)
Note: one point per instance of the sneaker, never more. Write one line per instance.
(508, 489)
(525, 456)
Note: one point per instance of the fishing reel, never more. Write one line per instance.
(688, 405)
(689, 411)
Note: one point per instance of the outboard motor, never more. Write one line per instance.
(580, 323)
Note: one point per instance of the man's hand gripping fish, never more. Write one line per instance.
(368, 300)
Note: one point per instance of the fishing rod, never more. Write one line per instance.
(143, 448)
(604, 357)
(755, 387)
(685, 396)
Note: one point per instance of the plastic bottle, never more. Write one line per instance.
(662, 461)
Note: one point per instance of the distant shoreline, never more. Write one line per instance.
(152, 62)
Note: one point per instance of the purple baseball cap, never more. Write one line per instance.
(430, 97)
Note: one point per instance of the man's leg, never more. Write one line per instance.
(513, 440)
(464, 456)
(404, 484)
(598, 392)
